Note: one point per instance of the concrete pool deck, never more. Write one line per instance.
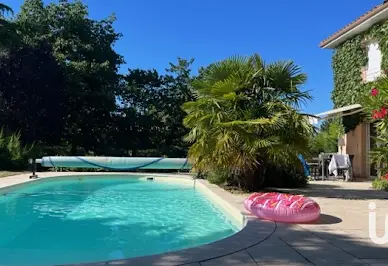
(340, 237)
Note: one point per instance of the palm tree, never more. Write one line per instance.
(246, 117)
(4, 9)
(7, 33)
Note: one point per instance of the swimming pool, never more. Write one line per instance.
(90, 219)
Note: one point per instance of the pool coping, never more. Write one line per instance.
(253, 232)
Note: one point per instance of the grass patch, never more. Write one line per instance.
(9, 173)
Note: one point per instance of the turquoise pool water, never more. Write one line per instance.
(75, 220)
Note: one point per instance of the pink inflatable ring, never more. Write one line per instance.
(281, 207)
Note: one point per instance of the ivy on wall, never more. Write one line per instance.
(348, 61)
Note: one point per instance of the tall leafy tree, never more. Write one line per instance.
(177, 91)
(153, 103)
(246, 117)
(32, 94)
(7, 29)
(84, 49)
(31, 86)
(4, 9)
(141, 99)
(326, 139)
(59, 84)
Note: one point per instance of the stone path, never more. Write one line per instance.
(341, 237)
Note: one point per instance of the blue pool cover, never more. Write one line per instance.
(115, 163)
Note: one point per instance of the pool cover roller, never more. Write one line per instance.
(115, 163)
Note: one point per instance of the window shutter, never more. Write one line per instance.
(374, 61)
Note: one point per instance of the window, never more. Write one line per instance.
(373, 70)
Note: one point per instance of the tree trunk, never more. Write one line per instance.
(73, 150)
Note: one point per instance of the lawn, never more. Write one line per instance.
(9, 173)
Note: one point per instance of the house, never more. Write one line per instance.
(360, 55)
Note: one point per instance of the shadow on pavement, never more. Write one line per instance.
(337, 191)
(293, 245)
(327, 219)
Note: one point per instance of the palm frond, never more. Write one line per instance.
(246, 114)
(284, 73)
(5, 9)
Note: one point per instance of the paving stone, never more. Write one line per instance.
(377, 262)
(330, 262)
(275, 250)
(327, 254)
(281, 263)
(241, 258)
(333, 234)
(296, 236)
(145, 261)
(362, 248)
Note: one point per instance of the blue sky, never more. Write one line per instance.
(156, 32)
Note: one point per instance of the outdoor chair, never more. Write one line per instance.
(314, 167)
(341, 164)
(323, 164)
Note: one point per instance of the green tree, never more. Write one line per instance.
(246, 118)
(84, 49)
(31, 87)
(139, 125)
(152, 106)
(176, 92)
(4, 9)
(326, 139)
(32, 94)
(7, 29)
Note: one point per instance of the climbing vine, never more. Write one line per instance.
(348, 61)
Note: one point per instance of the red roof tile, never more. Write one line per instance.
(355, 23)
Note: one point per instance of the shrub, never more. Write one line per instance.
(275, 176)
(41, 150)
(170, 151)
(285, 177)
(13, 155)
(148, 153)
(326, 139)
(375, 106)
(380, 183)
(53, 151)
(219, 177)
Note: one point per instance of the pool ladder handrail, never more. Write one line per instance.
(32, 163)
